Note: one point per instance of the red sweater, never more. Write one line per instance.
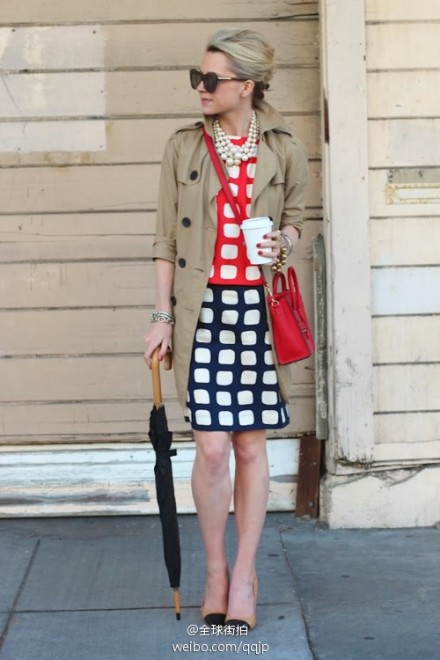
(230, 264)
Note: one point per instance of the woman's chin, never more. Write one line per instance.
(208, 109)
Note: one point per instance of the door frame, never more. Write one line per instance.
(346, 232)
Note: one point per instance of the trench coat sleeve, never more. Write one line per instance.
(164, 246)
(297, 175)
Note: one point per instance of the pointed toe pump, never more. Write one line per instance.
(213, 618)
(249, 621)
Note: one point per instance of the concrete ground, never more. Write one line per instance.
(95, 588)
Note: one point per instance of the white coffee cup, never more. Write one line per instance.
(253, 230)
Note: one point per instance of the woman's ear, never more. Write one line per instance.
(248, 88)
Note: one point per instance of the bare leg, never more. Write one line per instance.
(251, 490)
(211, 487)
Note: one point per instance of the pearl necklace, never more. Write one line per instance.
(233, 154)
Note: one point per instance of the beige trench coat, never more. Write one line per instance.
(187, 218)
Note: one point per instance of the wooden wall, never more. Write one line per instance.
(403, 60)
(90, 92)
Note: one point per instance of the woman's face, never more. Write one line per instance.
(230, 95)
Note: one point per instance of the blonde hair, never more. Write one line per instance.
(251, 57)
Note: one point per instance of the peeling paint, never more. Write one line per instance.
(396, 477)
(284, 479)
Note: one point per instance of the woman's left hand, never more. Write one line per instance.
(270, 247)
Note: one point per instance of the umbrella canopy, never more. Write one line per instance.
(161, 439)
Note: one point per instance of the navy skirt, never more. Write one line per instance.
(233, 383)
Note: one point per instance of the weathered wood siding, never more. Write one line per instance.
(90, 91)
(403, 60)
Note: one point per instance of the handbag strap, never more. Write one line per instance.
(221, 175)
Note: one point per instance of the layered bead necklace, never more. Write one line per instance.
(233, 154)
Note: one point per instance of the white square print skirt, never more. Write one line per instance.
(233, 383)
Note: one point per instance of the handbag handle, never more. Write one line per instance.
(294, 287)
(291, 286)
(277, 278)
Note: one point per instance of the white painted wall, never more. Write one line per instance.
(346, 214)
(403, 69)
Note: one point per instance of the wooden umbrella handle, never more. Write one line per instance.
(155, 371)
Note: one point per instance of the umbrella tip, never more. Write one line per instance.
(177, 604)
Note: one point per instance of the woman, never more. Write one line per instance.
(210, 301)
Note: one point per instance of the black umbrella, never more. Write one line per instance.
(161, 439)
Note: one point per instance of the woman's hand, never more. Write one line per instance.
(271, 246)
(159, 334)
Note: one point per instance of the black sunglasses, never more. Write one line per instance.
(210, 80)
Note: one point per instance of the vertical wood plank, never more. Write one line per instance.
(346, 218)
(309, 469)
(321, 363)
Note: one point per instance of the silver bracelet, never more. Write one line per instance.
(288, 243)
(162, 317)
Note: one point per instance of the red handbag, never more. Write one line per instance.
(292, 335)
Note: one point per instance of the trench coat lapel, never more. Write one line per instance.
(214, 186)
(265, 171)
(213, 183)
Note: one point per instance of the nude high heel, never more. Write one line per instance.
(249, 622)
(213, 617)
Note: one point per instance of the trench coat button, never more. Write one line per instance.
(194, 174)
(186, 222)
(182, 262)
(198, 124)
(173, 300)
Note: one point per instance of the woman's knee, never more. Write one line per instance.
(249, 446)
(214, 450)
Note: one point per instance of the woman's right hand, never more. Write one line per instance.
(159, 334)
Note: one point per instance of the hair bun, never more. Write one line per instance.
(251, 56)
